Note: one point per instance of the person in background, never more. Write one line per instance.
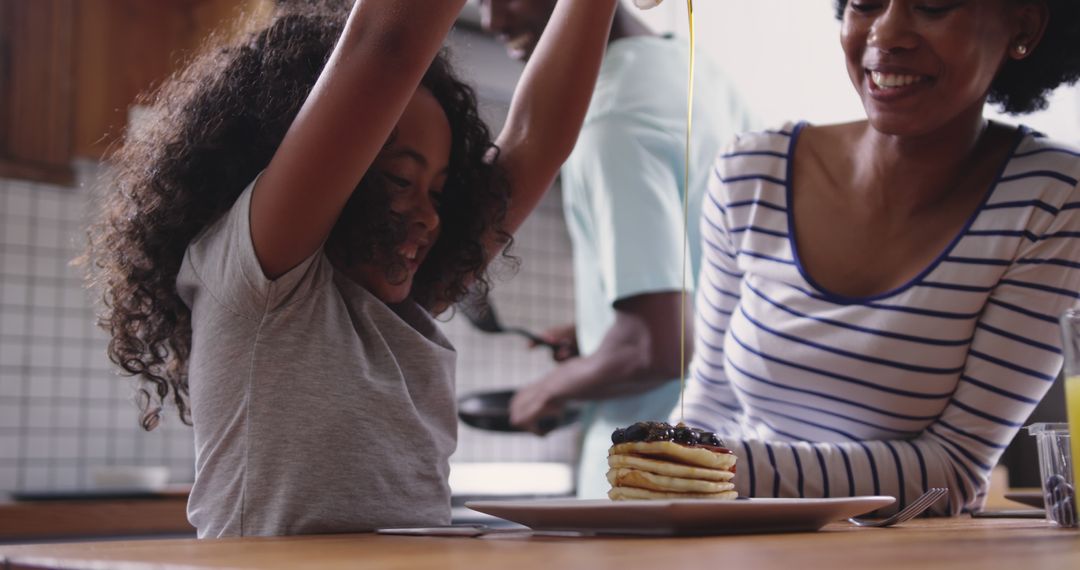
(623, 187)
(878, 305)
(277, 239)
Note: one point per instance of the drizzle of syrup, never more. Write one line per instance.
(686, 216)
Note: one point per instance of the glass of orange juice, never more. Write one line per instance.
(1070, 328)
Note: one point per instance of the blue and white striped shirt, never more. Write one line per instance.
(922, 386)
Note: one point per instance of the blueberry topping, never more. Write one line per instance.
(637, 432)
(663, 431)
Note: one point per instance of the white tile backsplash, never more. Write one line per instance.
(48, 235)
(66, 446)
(39, 413)
(14, 294)
(11, 417)
(38, 446)
(37, 476)
(9, 476)
(11, 387)
(41, 355)
(19, 197)
(69, 355)
(13, 325)
(17, 233)
(50, 202)
(42, 326)
(65, 477)
(14, 265)
(68, 416)
(9, 445)
(12, 356)
(41, 388)
(97, 448)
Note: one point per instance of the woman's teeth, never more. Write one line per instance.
(894, 80)
(409, 252)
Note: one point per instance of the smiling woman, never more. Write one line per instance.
(879, 299)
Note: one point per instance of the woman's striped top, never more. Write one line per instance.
(822, 395)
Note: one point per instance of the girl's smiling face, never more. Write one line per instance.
(414, 166)
(918, 65)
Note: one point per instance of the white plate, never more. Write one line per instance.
(682, 517)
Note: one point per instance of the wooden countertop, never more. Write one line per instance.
(987, 544)
(165, 513)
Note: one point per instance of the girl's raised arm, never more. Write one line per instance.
(550, 101)
(371, 75)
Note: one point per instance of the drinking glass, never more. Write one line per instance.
(1070, 328)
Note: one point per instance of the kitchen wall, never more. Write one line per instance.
(785, 57)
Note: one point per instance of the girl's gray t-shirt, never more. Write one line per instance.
(317, 408)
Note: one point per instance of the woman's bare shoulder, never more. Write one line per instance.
(832, 136)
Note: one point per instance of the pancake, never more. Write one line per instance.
(667, 468)
(671, 451)
(655, 460)
(625, 477)
(633, 493)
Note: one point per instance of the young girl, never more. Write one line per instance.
(280, 235)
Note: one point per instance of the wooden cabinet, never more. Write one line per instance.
(36, 89)
(128, 46)
(70, 70)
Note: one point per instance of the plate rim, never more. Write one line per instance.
(677, 517)
(664, 503)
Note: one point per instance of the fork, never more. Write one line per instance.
(912, 510)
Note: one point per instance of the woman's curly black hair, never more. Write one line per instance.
(212, 128)
(1022, 86)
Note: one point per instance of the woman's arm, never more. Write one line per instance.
(375, 68)
(1014, 357)
(550, 101)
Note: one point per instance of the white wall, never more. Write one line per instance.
(785, 57)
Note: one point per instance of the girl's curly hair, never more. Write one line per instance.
(212, 128)
(1022, 86)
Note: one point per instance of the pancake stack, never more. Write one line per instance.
(655, 460)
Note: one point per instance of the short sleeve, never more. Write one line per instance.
(633, 183)
(221, 262)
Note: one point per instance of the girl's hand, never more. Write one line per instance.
(647, 4)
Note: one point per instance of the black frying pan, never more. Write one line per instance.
(491, 411)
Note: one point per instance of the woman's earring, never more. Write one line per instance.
(1021, 50)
